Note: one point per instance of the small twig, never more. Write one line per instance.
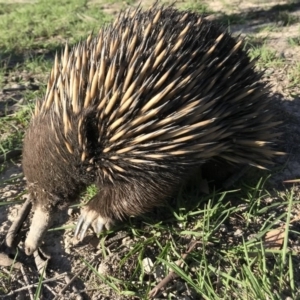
(19, 88)
(27, 282)
(32, 285)
(11, 240)
(50, 289)
(172, 275)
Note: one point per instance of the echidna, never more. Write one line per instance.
(136, 110)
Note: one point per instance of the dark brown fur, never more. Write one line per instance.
(63, 177)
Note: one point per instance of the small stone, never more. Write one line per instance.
(238, 232)
(103, 269)
(147, 265)
(269, 200)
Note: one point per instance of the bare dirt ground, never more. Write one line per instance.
(65, 253)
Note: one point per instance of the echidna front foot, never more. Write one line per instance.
(89, 218)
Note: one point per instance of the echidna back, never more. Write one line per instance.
(157, 90)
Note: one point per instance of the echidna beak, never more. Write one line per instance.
(39, 225)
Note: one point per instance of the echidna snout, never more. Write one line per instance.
(137, 109)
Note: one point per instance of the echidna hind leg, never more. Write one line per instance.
(90, 218)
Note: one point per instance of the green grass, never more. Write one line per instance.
(197, 6)
(12, 126)
(267, 57)
(284, 18)
(47, 24)
(294, 41)
(27, 49)
(294, 75)
(223, 265)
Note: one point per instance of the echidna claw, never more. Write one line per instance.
(81, 227)
(78, 226)
(89, 218)
(98, 226)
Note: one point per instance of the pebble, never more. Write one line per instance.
(238, 232)
(147, 265)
